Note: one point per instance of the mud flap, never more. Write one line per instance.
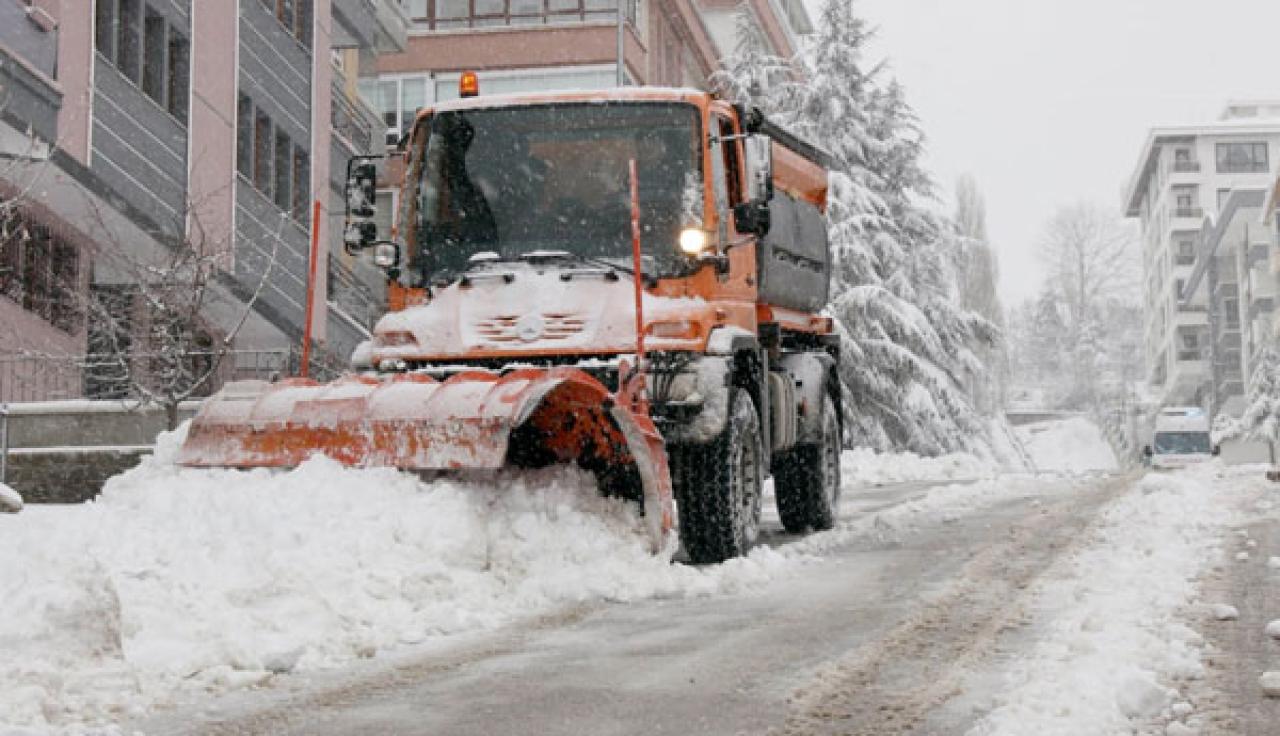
(414, 422)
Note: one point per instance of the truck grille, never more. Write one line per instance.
(506, 328)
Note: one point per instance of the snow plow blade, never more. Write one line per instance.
(471, 421)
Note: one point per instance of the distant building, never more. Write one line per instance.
(133, 126)
(1232, 282)
(1184, 174)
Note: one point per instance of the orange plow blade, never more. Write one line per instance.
(471, 421)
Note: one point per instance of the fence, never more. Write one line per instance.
(25, 378)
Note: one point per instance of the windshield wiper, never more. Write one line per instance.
(564, 255)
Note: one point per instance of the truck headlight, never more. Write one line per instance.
(693, 241)
(386, 255)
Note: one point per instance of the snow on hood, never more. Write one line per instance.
(538, 312)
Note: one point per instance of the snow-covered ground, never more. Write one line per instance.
(178, 580)
(1112, 619)
(1073, 445)
(865, 466)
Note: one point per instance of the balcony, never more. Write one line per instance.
(444, 17)
(1185, 167)
(1261, 306)
(1258, 252)
(1184, 260)
(1192, 212)
(379, 25)
(358, 126)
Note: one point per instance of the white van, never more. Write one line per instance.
(1181, 438)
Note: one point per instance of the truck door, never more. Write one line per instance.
(726, 173)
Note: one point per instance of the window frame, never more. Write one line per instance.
(1254, 165)
(582, 11)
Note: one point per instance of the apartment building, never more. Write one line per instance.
(539, 45)
(136, 127)
(1185, 174)
(1232, 282)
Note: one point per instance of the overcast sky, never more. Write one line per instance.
(1046, 102)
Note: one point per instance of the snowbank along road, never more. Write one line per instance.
(337, 601)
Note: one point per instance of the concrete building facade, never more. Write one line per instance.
(139, 126)
(1185, 174)
(1231, 280)
(541, 45)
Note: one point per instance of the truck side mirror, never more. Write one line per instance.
(361, 196)
(759, 159)
(1216, 451)
(1146, 451)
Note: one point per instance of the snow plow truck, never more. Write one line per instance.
(628, 280)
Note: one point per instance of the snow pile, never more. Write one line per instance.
(864, 466)
(10, 500)
(1074, 445)
(178, 578)
(1111, 631)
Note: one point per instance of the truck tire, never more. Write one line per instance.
(718, 487)
(806, 479)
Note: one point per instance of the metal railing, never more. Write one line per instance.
(1185, 167)
(28, 377)
(354, 296)
(352, 120)
(1188, 212)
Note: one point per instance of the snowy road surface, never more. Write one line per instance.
(871, 639)
(951, 598)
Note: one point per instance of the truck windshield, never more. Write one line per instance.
(1182, 443)
(516, 180)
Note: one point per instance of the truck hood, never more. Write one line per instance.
(521, 310)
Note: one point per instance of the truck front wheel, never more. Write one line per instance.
(806, 480)
(718, 487)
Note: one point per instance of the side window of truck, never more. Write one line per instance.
(724, 170)
(732, 160)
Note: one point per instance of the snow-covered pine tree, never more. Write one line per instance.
(928, 278)
(1261, 418)
(906, 339)
(751, 75)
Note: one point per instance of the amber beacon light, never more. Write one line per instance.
(468, 85)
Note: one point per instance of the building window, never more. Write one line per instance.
(147, 50)
(244, 137)
(301, 185)
(451, 14)
(1178, 286)
(129, 39)
(262, 150)
(104, 28)
(39, 270)
(398, 100)
(1232, 309)
(154, 49)
(531, 81)
(179, 73)
(1242, 158)
(269, 160)
(283, 167)
(294, 15)
(1186, 253)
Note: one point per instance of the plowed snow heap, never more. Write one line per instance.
(626, 280)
